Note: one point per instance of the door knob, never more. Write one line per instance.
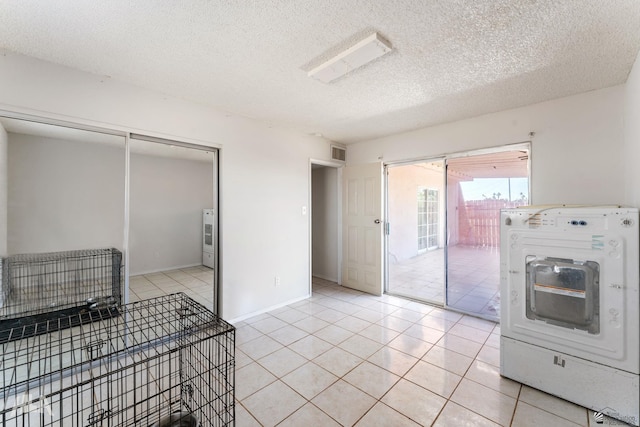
(377, 221)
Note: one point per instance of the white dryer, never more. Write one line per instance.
(570, 322)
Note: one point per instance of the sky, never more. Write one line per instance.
(485, 188)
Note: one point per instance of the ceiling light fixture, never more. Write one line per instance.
(356, 56)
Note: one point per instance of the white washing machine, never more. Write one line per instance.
(569, 305)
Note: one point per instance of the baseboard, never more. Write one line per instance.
(165, 269)
(322, 276)
(266, 310)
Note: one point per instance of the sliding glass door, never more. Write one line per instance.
(443, 226)
(478, 186)
(415, 240)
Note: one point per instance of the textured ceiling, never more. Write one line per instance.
(451, 59)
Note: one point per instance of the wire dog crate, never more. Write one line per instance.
(44, 286)
(165, 361)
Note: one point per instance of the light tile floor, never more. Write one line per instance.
(474, 279)
(344, 358)
(197, 282)
(347, 358)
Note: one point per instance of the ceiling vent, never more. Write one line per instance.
(356, 56)
(338, 153)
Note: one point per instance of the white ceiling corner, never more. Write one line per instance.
(450, 60)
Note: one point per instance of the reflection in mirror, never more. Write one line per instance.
(61, 217)
(170, 188)
(64, 188)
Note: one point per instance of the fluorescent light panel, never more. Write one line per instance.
(356, 56)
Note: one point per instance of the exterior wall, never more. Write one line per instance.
(403, 184)
(480, 221)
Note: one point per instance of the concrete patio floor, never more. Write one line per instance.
(474, 279)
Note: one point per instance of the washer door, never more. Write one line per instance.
(564, 292)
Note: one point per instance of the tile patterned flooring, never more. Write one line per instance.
(347, 358)
(344, 358)
(193, 281)
(420, 277)
(474, 280)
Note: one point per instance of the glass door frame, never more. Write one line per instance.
(387, 227)
(525, 146)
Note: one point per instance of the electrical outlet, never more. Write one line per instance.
(276, 281)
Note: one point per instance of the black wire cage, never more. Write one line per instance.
(165, 361)
(42, 286)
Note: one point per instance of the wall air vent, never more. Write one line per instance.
(338, 153)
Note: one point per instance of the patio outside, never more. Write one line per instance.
(456, 261)
(474, 277)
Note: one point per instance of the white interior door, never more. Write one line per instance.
(362, 227)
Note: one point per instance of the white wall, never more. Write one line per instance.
(577, 150)
(324, 202)
(632, 135)
(3, 190)
(264, 175)
(64, 195)
(167, 198)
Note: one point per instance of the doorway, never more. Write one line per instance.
(325, 219)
